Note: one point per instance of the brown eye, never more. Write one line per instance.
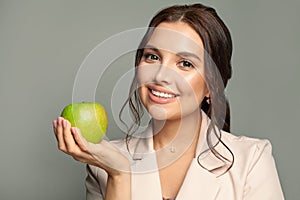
(150, 56)
(186, 64)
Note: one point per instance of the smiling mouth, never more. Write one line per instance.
(162, 94)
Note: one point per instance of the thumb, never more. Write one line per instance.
(80, 140)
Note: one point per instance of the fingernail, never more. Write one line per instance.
(59, 121)
(74, 130)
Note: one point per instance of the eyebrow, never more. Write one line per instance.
(188, 54)
(182, 54)
(153, 48)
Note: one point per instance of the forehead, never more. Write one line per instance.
(176, 37)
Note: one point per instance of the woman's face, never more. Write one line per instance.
(170, 73)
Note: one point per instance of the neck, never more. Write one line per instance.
(180, 133)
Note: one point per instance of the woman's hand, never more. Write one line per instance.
(103, 155)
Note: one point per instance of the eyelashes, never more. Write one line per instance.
(153, 58)
(186, 63)
(150, 56)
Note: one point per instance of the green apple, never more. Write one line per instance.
(89, 117)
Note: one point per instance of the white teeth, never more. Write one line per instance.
(162, 94)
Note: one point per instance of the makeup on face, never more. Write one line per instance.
(171, 68)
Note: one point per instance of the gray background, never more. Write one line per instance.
(43, 43)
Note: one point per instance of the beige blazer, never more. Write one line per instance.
(253, 175)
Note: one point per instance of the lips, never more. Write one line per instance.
(161, 95)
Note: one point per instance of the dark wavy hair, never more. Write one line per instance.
(217, 57)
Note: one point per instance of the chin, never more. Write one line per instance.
(157, 112)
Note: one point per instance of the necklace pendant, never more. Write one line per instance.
(172, 149)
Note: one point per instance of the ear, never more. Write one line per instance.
(207, 95)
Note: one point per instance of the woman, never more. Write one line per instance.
(186, 152)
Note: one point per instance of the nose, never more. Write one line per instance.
(163, 74)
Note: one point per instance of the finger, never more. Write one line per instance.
(68, 137)
(59, 135)
(54, 126)
(81, 142)
(54, 123)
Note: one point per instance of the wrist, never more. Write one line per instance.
(119, 187)
(122, 171)
(120, 177)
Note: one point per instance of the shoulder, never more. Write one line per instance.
(248, 151)
(242, 144)
(253, 157)
(255, 166)
(246, 146)
(243, 152)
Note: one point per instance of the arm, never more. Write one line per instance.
(262, 179)
(118, 187)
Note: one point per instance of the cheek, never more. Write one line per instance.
(142, 93)
(195, 88)
(199, 86)
(145, 74)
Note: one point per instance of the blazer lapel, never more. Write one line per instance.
(146, 185)
(145, 182)
(202, 180)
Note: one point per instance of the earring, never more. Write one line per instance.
(208, 100)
